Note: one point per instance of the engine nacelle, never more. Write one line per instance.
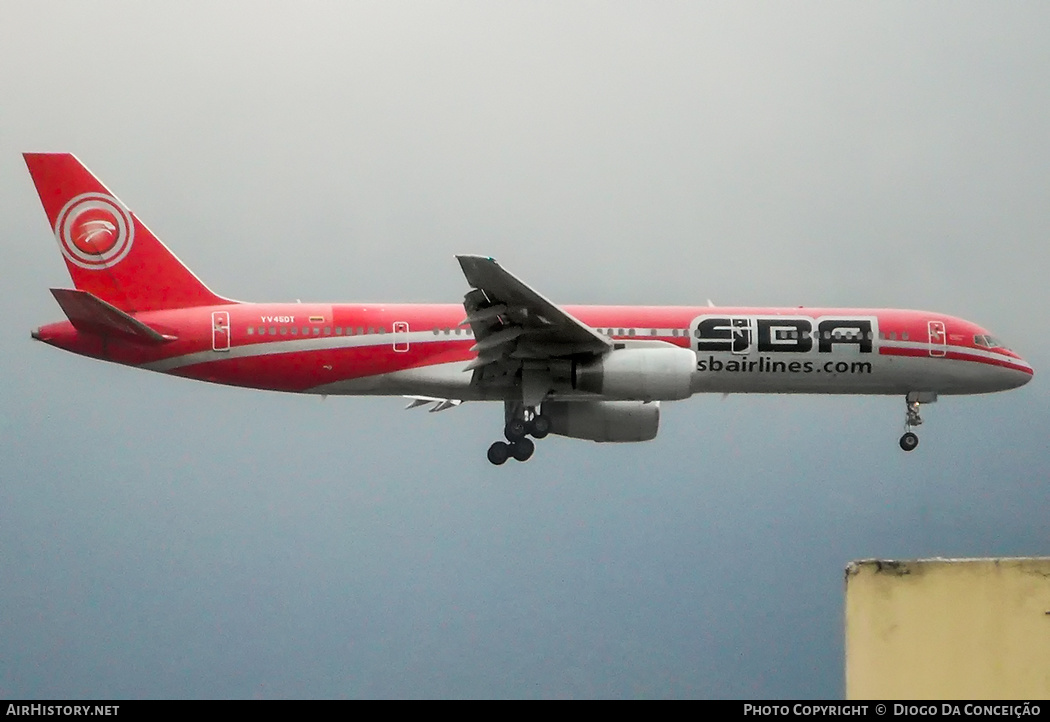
(659, 373)
(604, 420)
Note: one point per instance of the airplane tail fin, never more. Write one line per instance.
(109, 252)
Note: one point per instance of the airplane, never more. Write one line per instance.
(584, 372)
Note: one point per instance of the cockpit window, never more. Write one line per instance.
(988, 341)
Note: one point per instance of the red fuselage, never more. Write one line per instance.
(416, 348)
(586, 372)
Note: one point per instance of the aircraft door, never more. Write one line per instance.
(938, 338)
(400, 336)
(220, 331)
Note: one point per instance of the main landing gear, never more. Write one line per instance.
(521, 423)
(910, 440)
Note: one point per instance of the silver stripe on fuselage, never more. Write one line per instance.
(295, 345)
(447, 379)
(317, 343)
(969, 350)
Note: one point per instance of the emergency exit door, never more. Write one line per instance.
(938, 338)
(220, 331)
(400, 336)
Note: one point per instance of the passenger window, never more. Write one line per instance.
(893, 335)
(371, 330)
(251, 330)
(904, 335)
(273, 330)
(652, 332)
(382, 329)
(327, 330)
(284, 330)
(630, 332)
(295, 331)
(360, 330)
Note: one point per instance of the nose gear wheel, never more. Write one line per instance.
(910, 440)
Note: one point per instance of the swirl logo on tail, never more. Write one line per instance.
(94, 231)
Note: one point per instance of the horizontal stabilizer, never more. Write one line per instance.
(90, 314)
(439, 404)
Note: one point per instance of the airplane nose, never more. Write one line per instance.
(35, 333)
(1020, 376)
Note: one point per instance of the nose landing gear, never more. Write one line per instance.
(910, 440)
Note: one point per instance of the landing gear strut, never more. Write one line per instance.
(910, 440)
(521, 423)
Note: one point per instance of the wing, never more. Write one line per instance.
(516, 328)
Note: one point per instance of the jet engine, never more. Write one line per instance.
(604, 420)
(660, 373)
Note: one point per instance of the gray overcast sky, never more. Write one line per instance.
(160, 538)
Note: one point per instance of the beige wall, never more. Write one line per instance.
(948, 629)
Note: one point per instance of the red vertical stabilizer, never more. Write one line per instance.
(109, 252)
